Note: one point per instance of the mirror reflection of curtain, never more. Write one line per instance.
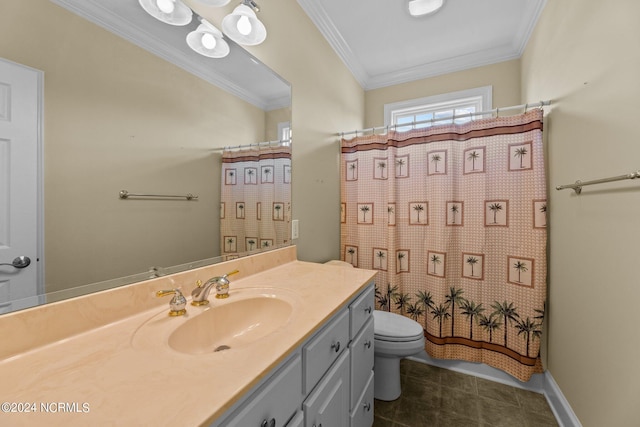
(255, 207)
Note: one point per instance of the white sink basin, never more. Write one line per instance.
(248, 316)
(231, 325)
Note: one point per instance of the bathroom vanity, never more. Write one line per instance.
(298, 352)
(327, 381)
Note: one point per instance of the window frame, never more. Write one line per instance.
(481, 95)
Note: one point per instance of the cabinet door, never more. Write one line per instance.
(362, 358)
(328, 405)
(297, 421)
(324, 348)
(362, 413)
(277, 400)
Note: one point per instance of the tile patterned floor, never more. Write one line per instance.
(436, 397)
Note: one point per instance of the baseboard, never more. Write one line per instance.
(539, 383)
(559, 405)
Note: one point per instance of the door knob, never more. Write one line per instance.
(19, 262)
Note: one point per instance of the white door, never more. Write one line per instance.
(20, 135)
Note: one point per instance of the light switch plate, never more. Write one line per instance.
(295, 231)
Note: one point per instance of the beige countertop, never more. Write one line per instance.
(93, 374)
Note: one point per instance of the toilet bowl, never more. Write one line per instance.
(395, 337)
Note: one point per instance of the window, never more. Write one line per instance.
(284, 132)
(438, 109)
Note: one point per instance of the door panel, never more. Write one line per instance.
(20, 121)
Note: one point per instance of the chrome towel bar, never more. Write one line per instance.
(124, 194)
(577, 187)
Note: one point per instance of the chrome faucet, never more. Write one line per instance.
(201, 292)
(177, 303)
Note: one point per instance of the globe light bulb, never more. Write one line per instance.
(244, 25)
(208, 41)
(166, 6)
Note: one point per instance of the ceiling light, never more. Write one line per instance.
(243, 26)
(207, 40)
(172, 12)
(214, 3)
(424, 7)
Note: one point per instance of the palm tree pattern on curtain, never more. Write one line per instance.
(255, 205)
(456, 228)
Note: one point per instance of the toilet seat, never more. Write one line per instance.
(393, 327)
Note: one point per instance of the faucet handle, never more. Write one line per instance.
(222, 285)
(177, 303)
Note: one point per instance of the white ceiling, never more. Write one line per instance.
(383, 45)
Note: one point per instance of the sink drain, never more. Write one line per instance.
(221, 347)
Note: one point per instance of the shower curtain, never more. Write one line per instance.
(454, 219)
(255, 205)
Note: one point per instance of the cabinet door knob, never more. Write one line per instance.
(368, 310)
(367, 344)
(270, 423)
(367, 406)
(335, 347)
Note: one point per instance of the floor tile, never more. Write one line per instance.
(436, 397)
(497, 391)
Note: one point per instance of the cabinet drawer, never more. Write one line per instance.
(362, 414)
(361, 360)
(324, 349)
(328, 405)
(361, 310)
(278, 399)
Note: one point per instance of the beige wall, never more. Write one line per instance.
(504, 77)
(117, 117)
(585, 56)
(326, 100)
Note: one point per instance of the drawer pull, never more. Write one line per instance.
(335, 347)
(270, 423)
(367, 344)
(368, 310)
(367, 406)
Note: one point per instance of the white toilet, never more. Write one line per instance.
(395, 337)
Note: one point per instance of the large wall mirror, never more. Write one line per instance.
(128, 106)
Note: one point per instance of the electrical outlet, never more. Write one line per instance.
(295, 230)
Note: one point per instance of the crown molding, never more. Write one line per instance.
(526, 30)
(506, 52)
(323, 22)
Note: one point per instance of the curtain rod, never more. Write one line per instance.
(495, 111)
(255, 144)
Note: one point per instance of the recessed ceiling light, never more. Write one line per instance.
(424, 7)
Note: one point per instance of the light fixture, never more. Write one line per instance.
(214, 3)
(172, 12)
(424, 7)
(243, 26)
(207, 40)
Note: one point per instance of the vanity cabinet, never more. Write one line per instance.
(275, 403)
(328, 405)
(361, 359)
(326, 382)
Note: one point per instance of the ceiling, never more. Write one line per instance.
(382, 45)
